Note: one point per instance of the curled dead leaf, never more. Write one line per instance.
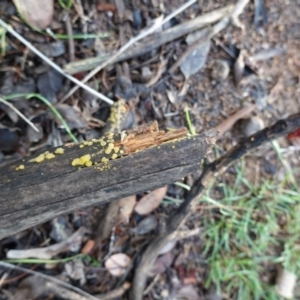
(195, 60)
(231, 120)
(88, 246)
(151, 201)
(116, 212)
(36, 13)
(117, 263)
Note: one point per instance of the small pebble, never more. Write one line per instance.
(220, 70)
(146, 225)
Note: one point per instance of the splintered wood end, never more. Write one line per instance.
(147, 135)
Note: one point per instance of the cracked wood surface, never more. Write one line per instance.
(72, 177)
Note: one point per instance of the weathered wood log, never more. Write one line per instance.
(68, 178)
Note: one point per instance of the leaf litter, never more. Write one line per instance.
(151, 201)
(131, 224)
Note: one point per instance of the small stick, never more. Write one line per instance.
(70, 37)
(53, 65)
(49, 278)
(19, 113)
(50, 251)
(143, 34)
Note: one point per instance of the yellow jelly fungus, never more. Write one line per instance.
(116, 149)
(121, 151)
(59, 151)
(21, 167)
(38, 159)
(108, 150)
(111, 145)
(102, 143)
(114, 156)
(88, 163)
(81, 146)
(104, 160)
(81, 161)
(49, 156)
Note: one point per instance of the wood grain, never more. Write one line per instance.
(42, 191)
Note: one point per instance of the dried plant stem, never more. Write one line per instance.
(19, 113)
(131, 42)
(49, 278)
(53, 65)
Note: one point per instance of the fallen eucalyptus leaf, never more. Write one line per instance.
(196, 60)
(36, 13)
(151, 201)
(116, 212)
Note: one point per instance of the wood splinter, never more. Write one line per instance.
(146, 136)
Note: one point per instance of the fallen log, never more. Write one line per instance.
(68, 178)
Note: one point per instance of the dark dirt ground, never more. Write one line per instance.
(273, 86)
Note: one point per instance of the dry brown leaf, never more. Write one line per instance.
(151, 201)
(36, 13)
(229, 122)
(117, 263)
(106, 7)
(88, 246)
(117, 212)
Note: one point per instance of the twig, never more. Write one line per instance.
(231, 120)
(53, 65)
(70, 37)
(50, 251)
(143, 34)
(239, 8)
(211, 32)
(118, 292)
(19, 113)
(49, 278)
(280, 128)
